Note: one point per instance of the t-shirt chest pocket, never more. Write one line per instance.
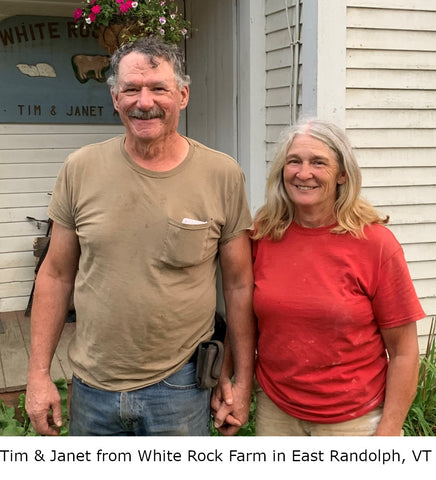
(185, 244)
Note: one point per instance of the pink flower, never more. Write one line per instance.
(120, 1)
(77, 14)
(162, 31)
(125, 7)
(162, 20)
(96, 9)
(92, 17)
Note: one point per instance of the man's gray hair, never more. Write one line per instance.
(153, 48)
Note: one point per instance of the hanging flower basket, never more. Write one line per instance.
(115, 34)
(115, 22)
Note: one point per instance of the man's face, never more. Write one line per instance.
(148, 98)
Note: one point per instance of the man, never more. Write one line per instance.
(141, 220)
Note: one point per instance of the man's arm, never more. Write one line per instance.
(237, 277)
(53, 288)
(402, 375)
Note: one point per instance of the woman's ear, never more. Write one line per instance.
(342, 178)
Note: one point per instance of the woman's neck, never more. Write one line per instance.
(314, 219)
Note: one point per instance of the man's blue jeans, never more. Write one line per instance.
(174, 406)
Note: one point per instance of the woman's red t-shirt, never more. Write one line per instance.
(320, 299)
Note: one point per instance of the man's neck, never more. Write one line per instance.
(159, 156)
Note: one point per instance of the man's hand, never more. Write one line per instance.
(43, 405)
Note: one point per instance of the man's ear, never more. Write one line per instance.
(114, 99)
(185, 97)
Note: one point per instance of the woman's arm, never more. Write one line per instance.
(402, 376)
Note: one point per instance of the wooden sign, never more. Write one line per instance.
(52, 72)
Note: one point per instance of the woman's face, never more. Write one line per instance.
(311, 175)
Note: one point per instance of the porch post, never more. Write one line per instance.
(251, 97)
(323, 58)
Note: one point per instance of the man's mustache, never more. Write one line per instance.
(147, 114)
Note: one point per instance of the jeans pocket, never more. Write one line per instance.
(183, 379)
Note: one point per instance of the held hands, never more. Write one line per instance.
(43, 405)
(230, 405)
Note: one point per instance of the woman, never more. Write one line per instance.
(333, 298)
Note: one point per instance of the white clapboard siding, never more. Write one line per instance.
(393, 98)
(18, 214)
(25, 170)
(422, 233)
(16, 259)
(383, 79)
(386, 195)
(425, 288)
(420, 252)
(392, 40)
(426, 5)
(24, 200)
(423, 270)
(275, 96)
(283, 73)
(377, 177)
(395, 157)
(391, 122)
(15, 275)
(421, 20)
(396, 119)
(30, 159)
(33, 156)
(16, 244)
(393, 60)
(409, 214)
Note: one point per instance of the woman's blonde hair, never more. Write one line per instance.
(352, 212)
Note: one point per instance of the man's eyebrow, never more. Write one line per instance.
(127, 84)
(159, 83)
(156, 83)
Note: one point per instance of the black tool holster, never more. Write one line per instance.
(210, 356)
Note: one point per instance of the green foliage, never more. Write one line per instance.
(421, 419)
(17, 423)
(9, 426)
(249, 429)
(154, 17)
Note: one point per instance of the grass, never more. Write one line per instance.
(16, 422)
(421, 419)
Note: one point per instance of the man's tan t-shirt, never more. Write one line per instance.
(145, 290)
